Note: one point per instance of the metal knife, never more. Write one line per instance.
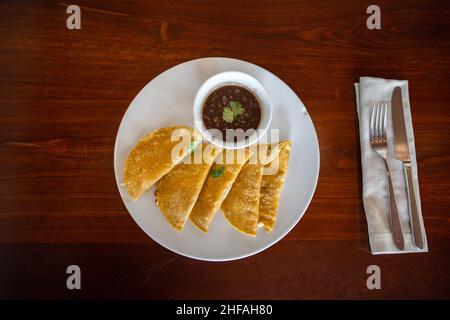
(402, 154)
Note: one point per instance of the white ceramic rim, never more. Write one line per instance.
(233, 78)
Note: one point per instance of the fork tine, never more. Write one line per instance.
(385, 121)
(372, 123)
(382, 121)
(377, 121)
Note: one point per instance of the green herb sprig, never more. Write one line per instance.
(217, 172)
(192, 146)
(231, 111)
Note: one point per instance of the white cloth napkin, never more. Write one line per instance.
(370, 91)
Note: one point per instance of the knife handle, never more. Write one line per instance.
(412, 201)
(396, 227)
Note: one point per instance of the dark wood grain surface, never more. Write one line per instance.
(63, 94)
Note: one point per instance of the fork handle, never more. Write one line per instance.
(396, 227)
(415, 220)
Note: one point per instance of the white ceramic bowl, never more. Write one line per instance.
(233, 78)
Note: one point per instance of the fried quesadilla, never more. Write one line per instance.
(271, 186)
(220, 179)
(153, 157)
(177, 192)
(241, 206)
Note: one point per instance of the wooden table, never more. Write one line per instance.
(62, 96)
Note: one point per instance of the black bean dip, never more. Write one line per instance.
(231, 107)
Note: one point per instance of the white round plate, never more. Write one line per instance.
(166, 101)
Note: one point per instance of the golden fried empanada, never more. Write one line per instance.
(177, 192)
(153, 157)
(219, 181)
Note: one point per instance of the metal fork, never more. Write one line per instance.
(378, 142)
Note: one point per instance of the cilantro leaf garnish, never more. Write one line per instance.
(218, 172)
(231, 111)
(192, 146)
(237, 108)
(228, 115)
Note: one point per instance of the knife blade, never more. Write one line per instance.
(402, 154)
(398, 122)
